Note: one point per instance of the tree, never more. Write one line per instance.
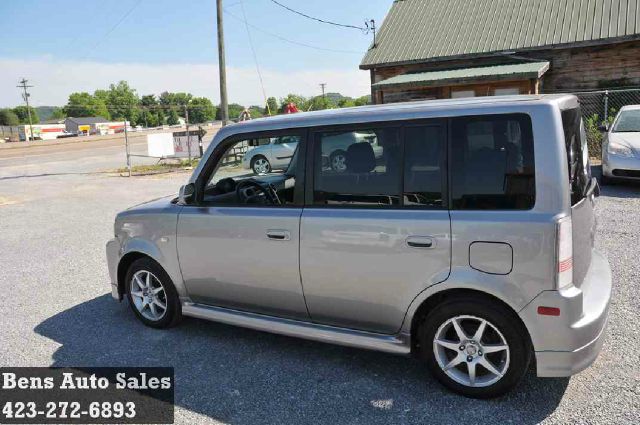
(57, 113)
(23, 115)
(271, 107)
(346, 102)
(201, 110)
(363, 100)
(85, 105)
(8, 117)
(234, 111)
(123, 102)
(300, 101)
(173, 118)
(319, 103)
(256, 111)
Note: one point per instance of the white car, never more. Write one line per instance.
(621, 146)
(277, 153)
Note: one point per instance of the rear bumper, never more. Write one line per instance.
(566, 344)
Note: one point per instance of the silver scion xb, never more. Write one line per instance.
(459, 231)
(621, 146)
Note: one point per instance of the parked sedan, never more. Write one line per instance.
(277, 153)
(621, 146)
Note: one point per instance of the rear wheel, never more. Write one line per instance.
(260, 165)
(151, 294)
(338, 161)
(474, 347)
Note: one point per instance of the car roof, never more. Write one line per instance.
(629, 108)
(390, 111)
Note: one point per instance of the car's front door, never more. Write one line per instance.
(240, 255)
(282, 150)
(376, 233)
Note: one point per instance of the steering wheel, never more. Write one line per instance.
(250, 190)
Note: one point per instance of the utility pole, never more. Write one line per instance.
(186, 121)
(221, 63)
(323, 85)
(23, 85)
(126, 144)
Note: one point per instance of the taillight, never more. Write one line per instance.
(564, 253)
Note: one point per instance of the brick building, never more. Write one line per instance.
(429, 49)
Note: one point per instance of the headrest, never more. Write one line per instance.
(360, 158)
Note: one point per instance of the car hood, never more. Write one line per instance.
(154, 204)
(629, 139)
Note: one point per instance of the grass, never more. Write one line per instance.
(162, 167)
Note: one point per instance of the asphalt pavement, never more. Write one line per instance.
(56, 213)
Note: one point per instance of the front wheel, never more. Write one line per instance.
(474, 347)
(151, 294)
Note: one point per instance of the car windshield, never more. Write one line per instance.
(628, 121)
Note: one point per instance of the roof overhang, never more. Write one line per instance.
(458, 76)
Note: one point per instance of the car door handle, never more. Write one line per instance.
(421, 242)
(279, 235)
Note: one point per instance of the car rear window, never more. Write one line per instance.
(577, 154)
(492, 162)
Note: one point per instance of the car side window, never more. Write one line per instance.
(424, 156)
(358, 168)
(492, 162)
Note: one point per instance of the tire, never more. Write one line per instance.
(338, 161)
(138, 271)
(260, 165)
(502, 326)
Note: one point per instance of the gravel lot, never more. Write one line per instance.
(57, 311)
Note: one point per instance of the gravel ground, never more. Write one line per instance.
(57, 311)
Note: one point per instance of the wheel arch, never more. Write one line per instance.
(437, 298)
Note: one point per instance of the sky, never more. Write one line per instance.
(65, 46)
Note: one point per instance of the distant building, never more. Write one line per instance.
(434, 49)
(94, 125)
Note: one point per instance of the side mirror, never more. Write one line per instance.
(603, 128)
(187, 194)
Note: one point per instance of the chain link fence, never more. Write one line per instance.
(601, 107)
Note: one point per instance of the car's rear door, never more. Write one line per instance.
(377, 233)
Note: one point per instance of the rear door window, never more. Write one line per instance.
(492, 162)
(358, 168)
(577, 154)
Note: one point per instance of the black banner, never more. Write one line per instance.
(127, 395)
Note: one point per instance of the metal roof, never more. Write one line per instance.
(457, 76)
(87, 120)
(419, 30)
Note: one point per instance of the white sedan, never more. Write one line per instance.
(621, 146)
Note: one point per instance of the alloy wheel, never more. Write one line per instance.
(261, 166)
(148, 295)
(339, 163)
(471, 351)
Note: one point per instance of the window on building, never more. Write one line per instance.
(492, 162)
(456, 94)
(506, 91)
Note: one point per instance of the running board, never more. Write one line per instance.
(323, 333)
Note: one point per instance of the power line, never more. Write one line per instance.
(255, 57)
(116, 25)
(287, 40)
(318, 19)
